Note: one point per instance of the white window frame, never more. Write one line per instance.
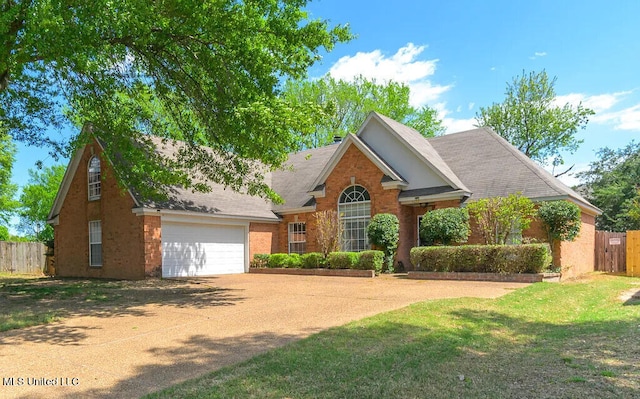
(297, 238)
(95, 242)
(356, 200)
(94, 183)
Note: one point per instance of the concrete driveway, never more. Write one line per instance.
(128, 354)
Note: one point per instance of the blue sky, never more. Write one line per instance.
(458, 55)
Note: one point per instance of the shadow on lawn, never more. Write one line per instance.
(64, 298)
(188, 359)
(487, 354)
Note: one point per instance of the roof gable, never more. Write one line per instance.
(69, 175)
(349, 140)
(402, 146)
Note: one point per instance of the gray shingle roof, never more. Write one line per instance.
(490, 167)
(297, 177)
(414, 139)
(219, 201)
(477, 161)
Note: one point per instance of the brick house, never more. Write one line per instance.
(386, 167)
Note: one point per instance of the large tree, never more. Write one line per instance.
(207, 72)
(530, 119)
(344, 105)
(7, 189)
(612, 183)
(36, 201)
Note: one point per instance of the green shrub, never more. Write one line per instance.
(526, 258)
(343, 260)
(313, 260)
(278, 260)
(384, 232)
(293, 261)
(499, 218)
(444, 226)
(260, 260)
(370, 260)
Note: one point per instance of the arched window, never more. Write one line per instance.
(354, 208)
(94, 178)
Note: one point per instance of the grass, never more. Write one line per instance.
(548, 340)
(27, 300)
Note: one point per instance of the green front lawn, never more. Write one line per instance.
(27, 300)
(569, 340)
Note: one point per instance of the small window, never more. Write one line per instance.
(297, 238)
(94, 178)
(95, 243)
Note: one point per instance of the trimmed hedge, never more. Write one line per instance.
(343, 260)
(293, 261)
(278, 260)
(366, 260)
(526, 258)
(370, 260)
(313, 260)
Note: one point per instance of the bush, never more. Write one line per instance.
(384, 232)
(370, 260)
(293, 261)
(499, 218)
(278, 260)
(260, 260)
(561, 219)
(313, 260)
(526, 258)
(444, 226)
(343, 260)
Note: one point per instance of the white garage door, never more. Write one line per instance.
(200, 250)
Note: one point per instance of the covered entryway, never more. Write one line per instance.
(192, 249)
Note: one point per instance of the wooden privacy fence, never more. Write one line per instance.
(22, 257)
(610, 252)
(633, 253)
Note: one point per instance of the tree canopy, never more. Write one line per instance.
(612, 183)
(206, 72)
(342, 106)
(7, 189)
(530, 119)
(36, 201)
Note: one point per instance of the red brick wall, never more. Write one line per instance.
(152, 246)
(263, 238)
(122, 231)
(577, 257)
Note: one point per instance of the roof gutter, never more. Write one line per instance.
(453, 195)
(200, 215)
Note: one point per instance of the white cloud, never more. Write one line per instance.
(626, 119)
(538, 54)
(402, 67)
(492, 68)
(471, 105)
(453, 125)
(598, 103)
